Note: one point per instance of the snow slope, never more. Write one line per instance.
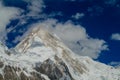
(42, 48)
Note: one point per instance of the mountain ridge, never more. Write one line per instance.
(42, 56)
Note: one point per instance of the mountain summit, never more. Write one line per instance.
(41, 55)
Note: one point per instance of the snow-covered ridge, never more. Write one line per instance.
(41, 49)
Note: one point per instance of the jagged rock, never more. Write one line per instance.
(1, 77)
(55, 71)
(10, 74)
(1, 64)
(36, 76)
(23, 76)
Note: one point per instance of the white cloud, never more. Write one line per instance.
(6, 14)
(55, 14)
(17, 39)
(35, 7)
(75, 37)
(115, 64)
(78, 15)
(115, 36)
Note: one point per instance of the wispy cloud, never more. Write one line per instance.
(17, 39)
(35, 7)
(115, 64)
(6, 14)
(78, 15)
(115, 36)
(33, 11)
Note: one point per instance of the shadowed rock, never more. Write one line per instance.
(55, 71)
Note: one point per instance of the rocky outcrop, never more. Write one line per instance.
(12, 73)
(1, 64)
(55, 71)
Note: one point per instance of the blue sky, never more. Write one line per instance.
(100, 19)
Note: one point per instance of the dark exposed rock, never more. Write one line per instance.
(23, 76)
(1, 64)
(36, 76)
(55, 71)
(10, 74)
(1, 77)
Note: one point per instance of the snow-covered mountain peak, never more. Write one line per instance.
(38, 36)
(42, 56)
(48, 46)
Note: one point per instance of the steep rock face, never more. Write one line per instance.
(15, 73)
(42, 56)
(55, 71)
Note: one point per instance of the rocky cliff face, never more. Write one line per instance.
(47, 70)
(42, 56)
